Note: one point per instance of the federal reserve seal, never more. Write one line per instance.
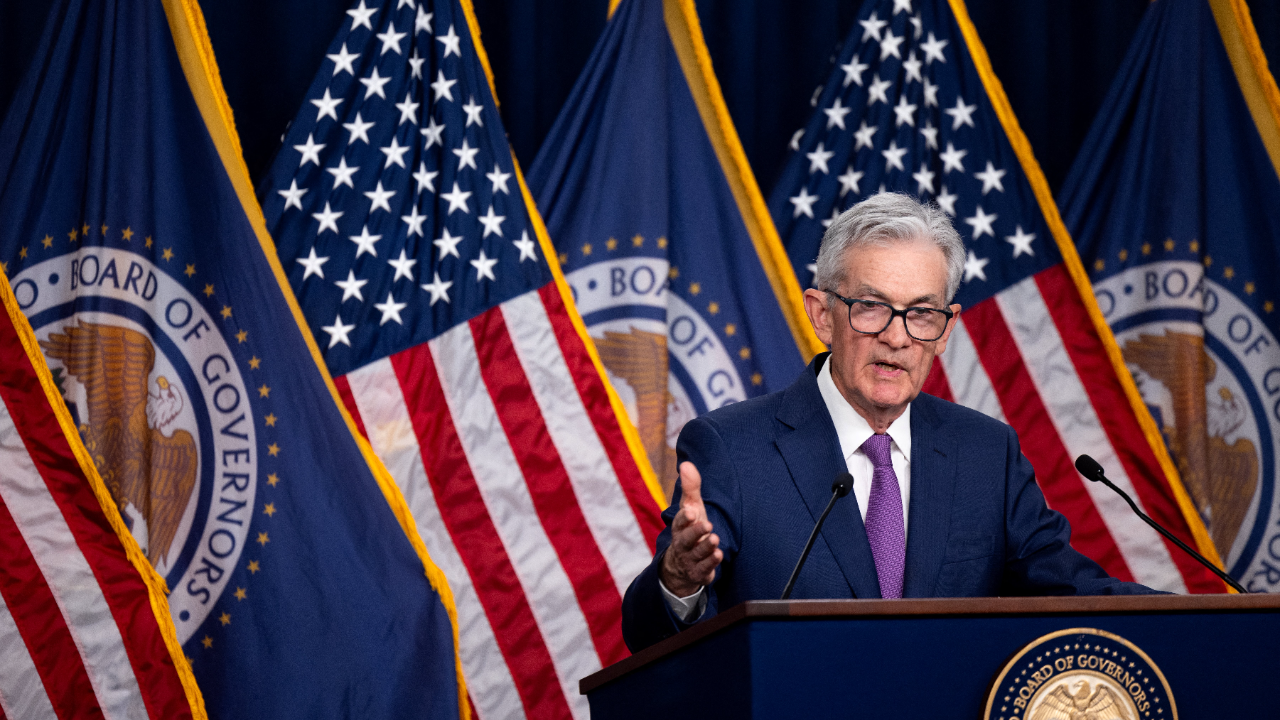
(162, 407)
(1080, 674)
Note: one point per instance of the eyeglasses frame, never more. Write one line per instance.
(894, 313)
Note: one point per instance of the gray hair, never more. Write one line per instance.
(879, 220)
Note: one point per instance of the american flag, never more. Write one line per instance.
(912, 106)
(420, 265)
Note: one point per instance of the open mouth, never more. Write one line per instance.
(887, 367)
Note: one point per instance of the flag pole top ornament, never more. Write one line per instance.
(1080, 672)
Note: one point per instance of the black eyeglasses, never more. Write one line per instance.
(870, 317)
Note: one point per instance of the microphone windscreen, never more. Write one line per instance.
(1089, 467)
(842, 485)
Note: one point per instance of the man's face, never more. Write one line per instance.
(880, 374)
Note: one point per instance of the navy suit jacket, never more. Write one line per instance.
(977, 522)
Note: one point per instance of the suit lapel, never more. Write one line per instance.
(933, 473)
(811, 450)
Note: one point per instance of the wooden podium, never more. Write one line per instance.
(907, 659)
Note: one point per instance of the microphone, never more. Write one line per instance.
(839, 488)
(1090, 468)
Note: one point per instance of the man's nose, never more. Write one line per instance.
(896, 334)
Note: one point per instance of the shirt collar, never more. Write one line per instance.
(851, 428)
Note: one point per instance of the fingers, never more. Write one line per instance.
(690, 487)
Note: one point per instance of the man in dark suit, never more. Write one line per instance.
(944, 503)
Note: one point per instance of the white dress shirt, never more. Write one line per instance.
(852, 430)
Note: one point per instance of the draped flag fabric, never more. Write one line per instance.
(298, 586)
(912, 106)
(1174, 202)
(663, 234)
(409, 237)
(84, 626)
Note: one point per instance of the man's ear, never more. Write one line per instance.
(941, 345)
(820, 316)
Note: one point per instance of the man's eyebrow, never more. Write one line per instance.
(869, 292)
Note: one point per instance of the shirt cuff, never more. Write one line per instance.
(687, 608)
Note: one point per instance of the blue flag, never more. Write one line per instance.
(662, 232)
(1174, 202)
(134, 245)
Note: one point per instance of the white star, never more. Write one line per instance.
(408, 109)
(933, 50)
(448, 244)
(374, 83)
(990, 178)
(952, 159)
(492, 223)
(947, 201)
(433, 132)
(473, 112)
(981, 223)
(439, 289)
(930, 94)
(924, 179)
(343, 61)
(414, 221)
(328, 219)
(360, 16)
(403, 266)
(310, 151)
(484, 266)
(379, 198)
(863, 135)
(402, 3)
(451, 40)
(457, 199)
(364, 242)
(425, 178)
(901, 6)
(795, 139)
(313, 265)
(390, 39)
(893, 156)
(466, 155)
(359, 130)
(337, 331)
(499, 179)
(351, 287)
(804, 203)
(1021, 242)
(973, 267)
(890, 44)
(912, 66)
(415, 64)
(391, 310)
(395, 153)
(835, 213)
(525, 246)
(877, 90)
(342, 174)
(293, 196)
(871, 27)
(930, 134)
(836, 113)
(422, 23)
(961, 114)
(918, 24)
(818, 159)
(853, 72)
(441, 86)
(904, 112)
(849, 181)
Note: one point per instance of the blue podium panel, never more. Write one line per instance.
(907, 659)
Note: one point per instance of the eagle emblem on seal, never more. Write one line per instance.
(149, 473)
(1100, 703)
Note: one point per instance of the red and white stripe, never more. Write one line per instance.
(1029, 356)
(78, 635)
(500, 435)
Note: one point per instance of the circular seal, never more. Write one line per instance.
(1080, 674)
(161, 406)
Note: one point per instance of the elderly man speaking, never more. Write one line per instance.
(944, 503)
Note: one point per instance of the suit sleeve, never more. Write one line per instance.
(646, 617)
(1039, 557)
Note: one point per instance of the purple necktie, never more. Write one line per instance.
(885, 529)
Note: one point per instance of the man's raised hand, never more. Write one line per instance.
(691, 560)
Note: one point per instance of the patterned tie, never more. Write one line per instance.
(885, 529)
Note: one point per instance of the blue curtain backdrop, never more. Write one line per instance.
(1056, 61)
